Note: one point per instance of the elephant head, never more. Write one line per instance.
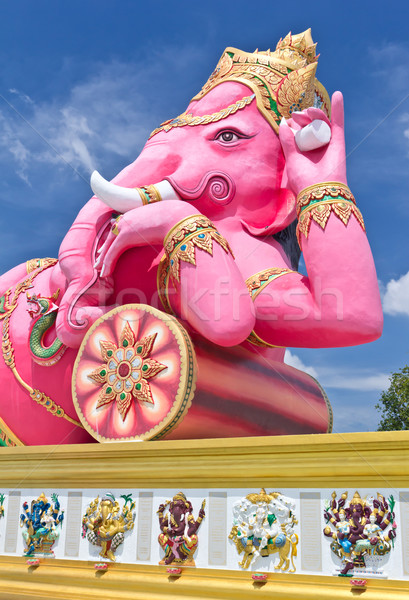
(222, 155)
(180, 508)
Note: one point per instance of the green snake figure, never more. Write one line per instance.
(44, 311)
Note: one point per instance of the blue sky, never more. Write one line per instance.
(83, 83)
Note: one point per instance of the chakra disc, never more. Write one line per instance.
(134, 376)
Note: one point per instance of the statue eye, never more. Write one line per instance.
(228, 136)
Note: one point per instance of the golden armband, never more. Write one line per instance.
(182, 240)
(317, 202)
(180, 244)
(255, 284)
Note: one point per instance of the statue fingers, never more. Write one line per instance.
(337, 117)
(287, 138)
(299, 119)
(313, 113)
(103, 252)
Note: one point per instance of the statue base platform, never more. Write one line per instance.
(308, 469)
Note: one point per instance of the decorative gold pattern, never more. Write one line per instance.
(283, 80)
(5, 308)
(7, 436)
(181, 241)
(7, 348)
(256, 283)
(126, 370)
(256, 340)
(39, 263)
(318, 191)
(188, 119)
(50, 405)
(162, 280)
(149, 193)
(317, 202)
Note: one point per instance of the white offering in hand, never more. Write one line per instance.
(314, 135)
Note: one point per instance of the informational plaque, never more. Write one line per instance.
(73, 520)
(12, 525)
(217, 520)
(311, 531)
(404, 525)
(143, 550)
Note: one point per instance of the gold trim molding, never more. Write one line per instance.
(312, 461)
(66, 580)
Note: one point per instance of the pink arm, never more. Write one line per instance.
(338, 304)
(211, 295)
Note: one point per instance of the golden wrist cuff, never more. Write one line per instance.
(318, 191)
(317, 202)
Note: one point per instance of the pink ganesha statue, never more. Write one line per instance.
(176, 290)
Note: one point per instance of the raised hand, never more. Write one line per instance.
(323, 164)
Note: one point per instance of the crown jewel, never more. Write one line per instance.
(283, 81)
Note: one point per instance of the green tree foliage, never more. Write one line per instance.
(394, 403)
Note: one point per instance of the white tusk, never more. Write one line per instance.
(314, 135)
(121, 199)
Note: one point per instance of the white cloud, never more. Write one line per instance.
(396, 296)
(295, 361)
(354, 381)
(23, 97)
(99, 121)
(100, 117)
(364, 380)
(388, 79)
(355, 415)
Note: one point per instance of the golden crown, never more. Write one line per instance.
(283, 81)
(358, 500)
(262, 496)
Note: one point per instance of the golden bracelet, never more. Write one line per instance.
(182, 240)
(317, 202)
(318, 191)
(256, 340)
(149, 194)
(255, 284)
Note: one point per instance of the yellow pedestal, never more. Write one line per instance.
(376, 460)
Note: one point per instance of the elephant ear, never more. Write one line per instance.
(276, 214)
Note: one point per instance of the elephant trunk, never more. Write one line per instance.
(87, 295)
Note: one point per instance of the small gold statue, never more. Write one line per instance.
(104, 525)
